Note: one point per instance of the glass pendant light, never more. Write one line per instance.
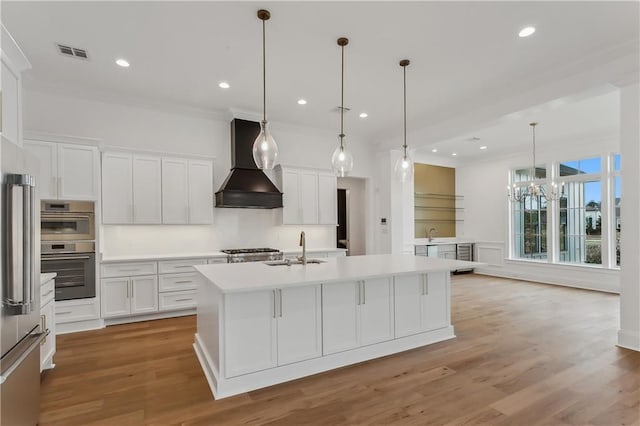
(404, 165)
(265, 150)
(342, 160)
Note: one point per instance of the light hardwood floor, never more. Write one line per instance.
(524, 354)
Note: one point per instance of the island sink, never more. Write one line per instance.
(289, 262)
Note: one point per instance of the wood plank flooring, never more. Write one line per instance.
(524, 354)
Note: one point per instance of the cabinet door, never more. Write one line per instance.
(48, 347)
(299, 324)
(115, 297)
(117, 188)
(309, 197)
(327, 199)
(250, 332)
(408, 291)
(376, 311)
(78, 172)
(339, 316)
(435, 301)
(147, 190)
(175, 195)
(291, 211)
(47, 171)
(200, 192)
(144, 294)
(10, 105)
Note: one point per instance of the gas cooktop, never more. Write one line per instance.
(251, 250)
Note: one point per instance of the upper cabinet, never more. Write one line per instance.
(66, 171)
(13, 63)
(309, 197)
(146, 189)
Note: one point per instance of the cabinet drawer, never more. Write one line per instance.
(218, 260)
(76, 310)
(171, 266)
(175, 300)
(172, 282)
(110, 270)
(47, 292)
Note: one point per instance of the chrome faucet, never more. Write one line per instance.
(303, 244)
(429, 237)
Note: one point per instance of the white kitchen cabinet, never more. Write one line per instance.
(48, 348)
(340, 303)
(175, 191)
(200, 192)
(13, 63)
(299, 324)
(67, 171)
(147, 189)
(47, 172)
(129, 295)
(309, 197)
(327, 199)
(250, 339)
(117, 188)
(419, 303)
(271, 328)
(376, 311)
(357, 313)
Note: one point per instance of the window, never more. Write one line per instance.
(584, 221)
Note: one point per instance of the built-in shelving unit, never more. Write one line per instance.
(440, 211)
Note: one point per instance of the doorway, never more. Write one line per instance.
(351, 216)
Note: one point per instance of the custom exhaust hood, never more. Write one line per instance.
(246, 186)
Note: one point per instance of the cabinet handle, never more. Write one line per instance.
(128, 269)
(184, 300)
(183, 266)
(183, 282)
(47, 293)
(280, 292)
(364, 293)
(274, 303)
(358, 297)
(63, 313)
(43, 327)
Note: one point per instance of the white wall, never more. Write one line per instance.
(483, 185)
(177, 132)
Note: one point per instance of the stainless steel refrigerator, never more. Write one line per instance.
(21, 333)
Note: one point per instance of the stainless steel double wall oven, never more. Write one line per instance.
(68, 247)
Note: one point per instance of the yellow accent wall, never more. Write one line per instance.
(435, 200)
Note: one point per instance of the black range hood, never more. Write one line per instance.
(246, 186)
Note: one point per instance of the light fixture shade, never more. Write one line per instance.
(265, 150)
(404, 168)
(342, 161)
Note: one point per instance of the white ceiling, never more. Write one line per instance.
(583, 117)
(179, 51)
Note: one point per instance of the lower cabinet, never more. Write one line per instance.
(129, 295)
(48, 348)
(357, 313)
(420, 303)
(265, 329)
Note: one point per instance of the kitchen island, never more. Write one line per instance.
(260, 324)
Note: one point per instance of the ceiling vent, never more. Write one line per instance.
(72, 51)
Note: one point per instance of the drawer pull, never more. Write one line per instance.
(184, 300)
(63, 313)
(47, 293)
(184, 282)
(129, 269)
(183, 266)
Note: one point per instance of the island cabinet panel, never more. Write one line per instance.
(435, 306)
(299, 323)
(340, 320)
(420, 303)
(250, 332)
(376, 311)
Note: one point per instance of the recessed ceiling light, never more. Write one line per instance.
(302, 102)
(527, 31)
(454, 154)
(434, 150)
(223, 85)
(123, 63)
(363, 115)
(483, 147)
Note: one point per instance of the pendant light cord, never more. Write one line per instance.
(533, 166)
(404, 130)
(264, 72)
(342, 99)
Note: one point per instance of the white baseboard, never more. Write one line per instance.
(74, 327)
(149, 317)
(225, 387)
(629, 340)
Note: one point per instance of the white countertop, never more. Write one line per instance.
(45, 278)
(147, 257)
(441, 241)
(251, 276)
